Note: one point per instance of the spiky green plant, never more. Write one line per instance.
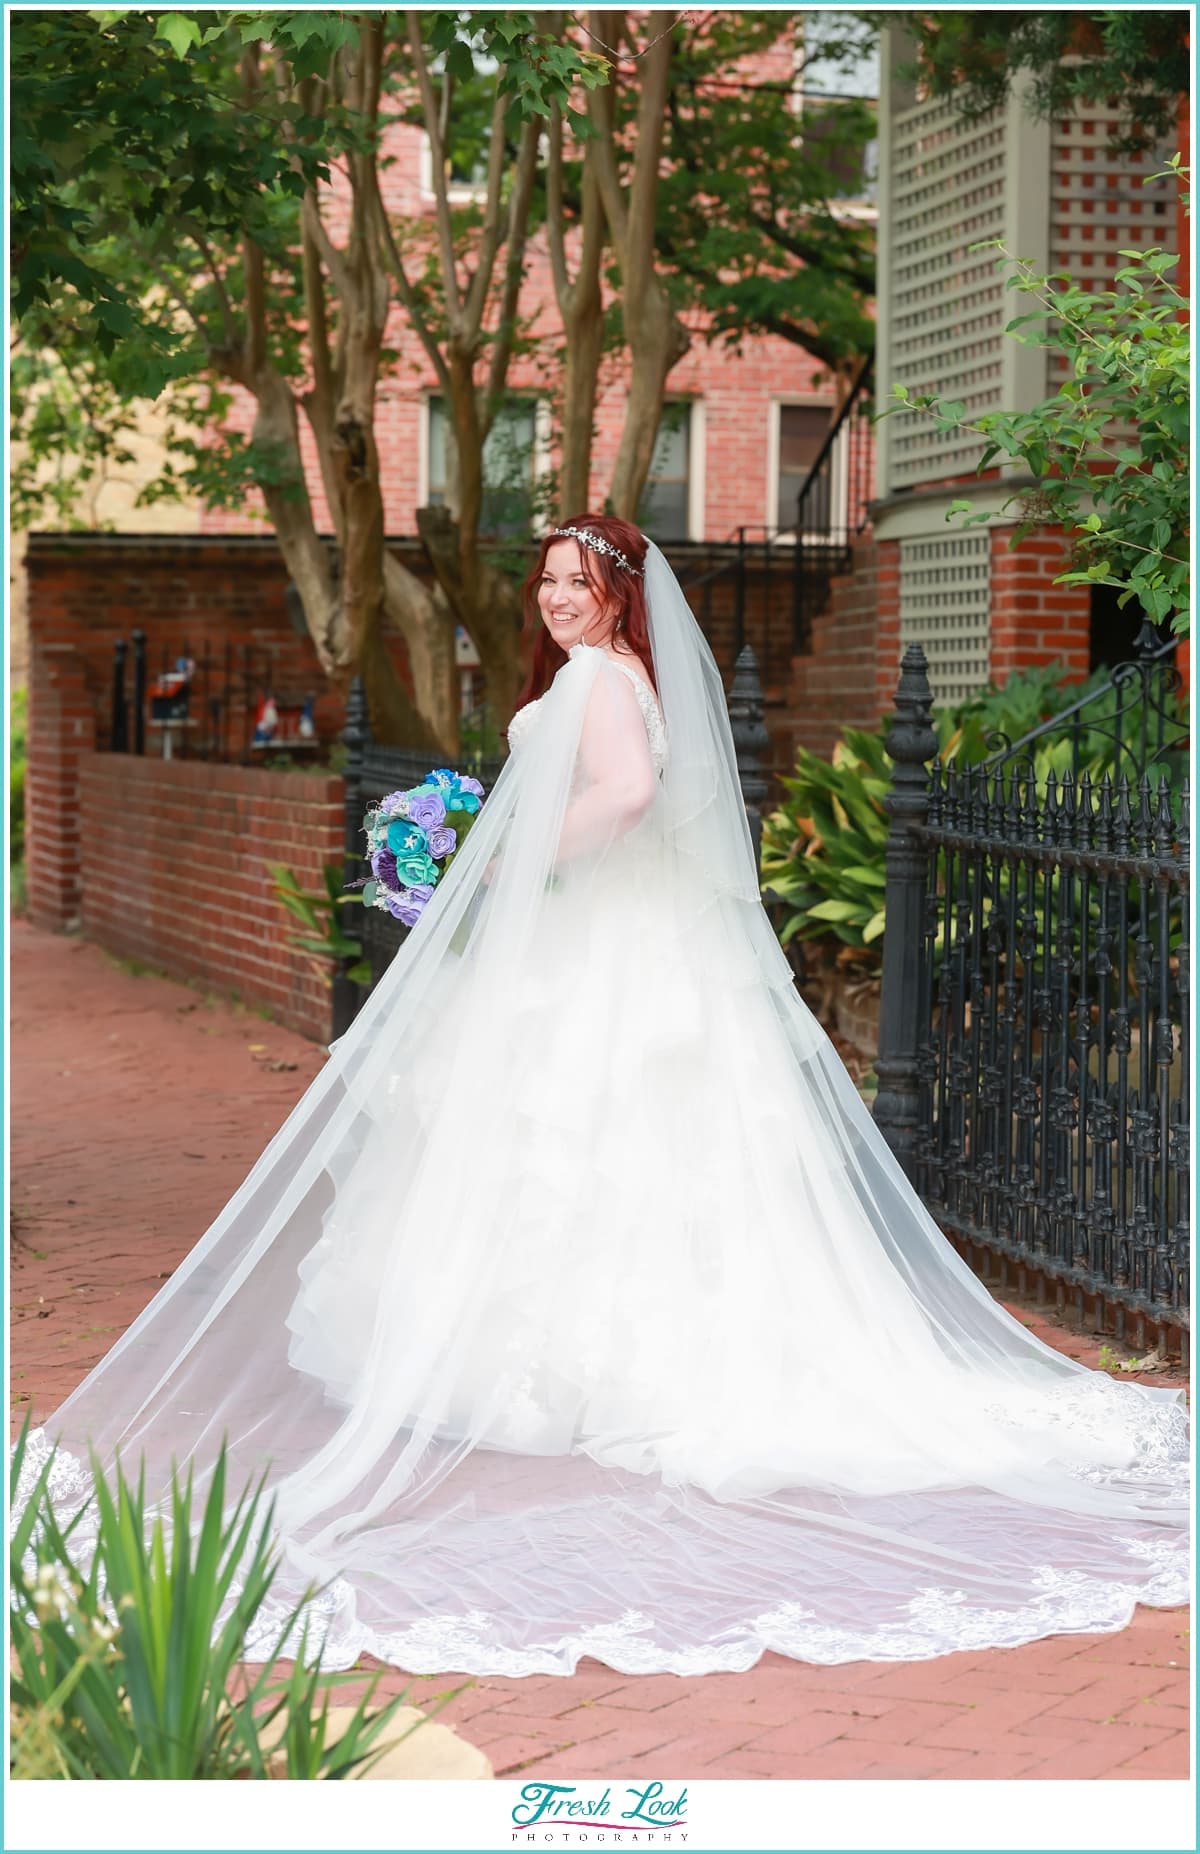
(127, 1659)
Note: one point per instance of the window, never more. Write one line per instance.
(664, 508)
(802, 432)
(508, 466)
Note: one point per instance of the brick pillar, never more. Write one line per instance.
(62, 728)
(887, 661)
(1033, 620)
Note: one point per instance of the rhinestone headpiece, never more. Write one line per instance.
(599, 545)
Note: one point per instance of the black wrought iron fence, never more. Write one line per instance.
(1035, 1037)
(225, 703)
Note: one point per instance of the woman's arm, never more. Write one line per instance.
(616, 767)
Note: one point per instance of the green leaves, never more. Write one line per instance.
(823, 850)
(127, 1657)
(180, 32)
(318, 913)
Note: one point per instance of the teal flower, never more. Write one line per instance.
(405, 839)
(416, 867)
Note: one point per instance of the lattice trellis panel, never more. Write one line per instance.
(945, 599)
(947, 306)
(1099, 205)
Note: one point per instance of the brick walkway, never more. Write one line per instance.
(137, 1108)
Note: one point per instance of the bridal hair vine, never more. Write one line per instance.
(599, 545)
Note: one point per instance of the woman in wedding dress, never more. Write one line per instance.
(579, 1308)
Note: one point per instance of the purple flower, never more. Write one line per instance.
(442, 840)
(409, 905)
(471, 785)
(383, 868)
(394, 805)
(428, 811)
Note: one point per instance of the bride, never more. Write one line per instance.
(579, 1308)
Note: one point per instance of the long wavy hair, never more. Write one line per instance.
(610, 582)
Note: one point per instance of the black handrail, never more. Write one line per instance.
(857, 392)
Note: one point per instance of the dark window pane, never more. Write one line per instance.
(663, 509)
(506, 507)
(802, 431)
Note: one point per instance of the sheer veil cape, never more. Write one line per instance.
(578, 1308)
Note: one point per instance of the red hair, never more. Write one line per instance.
(610, 581)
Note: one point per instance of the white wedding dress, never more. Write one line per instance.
(580, 1309)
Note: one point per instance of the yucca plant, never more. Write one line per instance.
(126, 1660)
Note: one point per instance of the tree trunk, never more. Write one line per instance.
(582, 309)
(484, 601)
(654, 333)
(656, 341)
(424, 619)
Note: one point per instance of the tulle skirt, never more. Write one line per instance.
(678, 1397)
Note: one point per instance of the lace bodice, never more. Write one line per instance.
(656, 732)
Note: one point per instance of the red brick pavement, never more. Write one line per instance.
(137, 1108)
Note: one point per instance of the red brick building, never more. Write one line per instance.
(738, 432)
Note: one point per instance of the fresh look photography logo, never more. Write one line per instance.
(632, 1814)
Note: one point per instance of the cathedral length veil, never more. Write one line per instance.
(579, 1308)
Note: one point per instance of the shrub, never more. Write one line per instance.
(125, 1658)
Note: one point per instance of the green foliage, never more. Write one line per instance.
(1110, 451)
(18, 756)
(320, 916)
(749, 229)
(824, 849)
(1137, 56)
(127, 1665)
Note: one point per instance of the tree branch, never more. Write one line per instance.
(554, 208)
(489, 242)
(638, 256)
(514, 269)
(437, 154)
(256, 293)
(228, 319)
(602, 110)
(408, 296)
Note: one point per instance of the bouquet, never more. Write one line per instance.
(412, 838)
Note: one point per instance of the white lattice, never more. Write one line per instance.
(946, 304)
(945, 597)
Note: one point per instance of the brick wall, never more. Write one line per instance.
(62, 732)
(849, 679)
(834, 687)
(174, 859)
(1034, 621)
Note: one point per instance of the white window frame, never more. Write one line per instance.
(542, 441)
(841, 465)
(458, 192)
(695, 425)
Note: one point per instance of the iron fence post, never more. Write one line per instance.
(750, 740)
(739, 613)
(139, 692)
(119, 729)
(912, 743)
(346, 994)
